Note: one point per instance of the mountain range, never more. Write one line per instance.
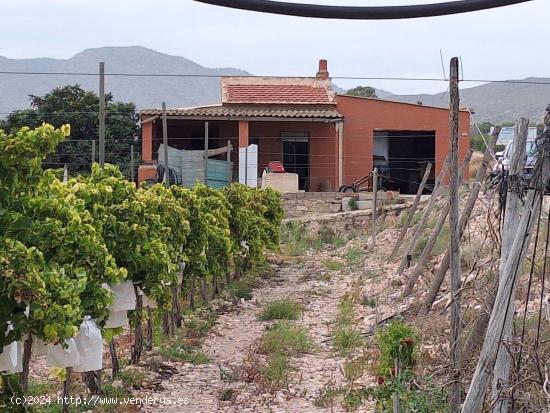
(493, 102)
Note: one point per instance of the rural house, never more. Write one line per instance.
(328, 139)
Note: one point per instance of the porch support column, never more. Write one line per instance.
(243, 134)
(148, 169)
(339, 154)
(147, 141)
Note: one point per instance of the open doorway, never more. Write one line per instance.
(401, 157)
(296, 156)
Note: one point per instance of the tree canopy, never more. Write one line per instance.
(80, 108)
(363, 91)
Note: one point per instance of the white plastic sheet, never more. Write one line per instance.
(117, 319)
(124, 296)
(89, 344)
(146, 301)
(39, 348)
(58, 356)
(18, 368)
(8, 358)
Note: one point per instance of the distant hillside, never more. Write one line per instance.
(494, 102)
(144, 91)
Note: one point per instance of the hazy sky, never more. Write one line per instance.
(505, 43)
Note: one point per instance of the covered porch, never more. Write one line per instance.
(308, 141)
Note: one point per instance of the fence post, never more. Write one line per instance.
(93, 151)
(101, 114)
(229, 169)
(132, 163)
(454, 200)
(165, 143)
(374, 204)
(411, 212)
(206, 153)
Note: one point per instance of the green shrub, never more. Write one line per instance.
(333, 265)
(346, 339)
(281, 310)
(396, 341)
(185, 353)
(240, 289)
(285, 339)
(353, 204)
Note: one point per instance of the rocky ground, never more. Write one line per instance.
(306, 280)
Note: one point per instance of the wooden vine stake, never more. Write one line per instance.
(454, 201)
(138, 339)
(508, 278)
(427, 212)
(464, 218)
(411, 212)
(480, 176)
(374, 204)
(512, 214)
(115, 364)
(65, 406)
(27, 352)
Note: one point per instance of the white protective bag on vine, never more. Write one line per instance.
(39, 348)
(8, 358)
(89, 344)
(124, 297)
(146, 300)
(117, 319)
(180, 273)
(18, 368)
(58, 356)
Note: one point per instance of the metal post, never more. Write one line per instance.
(132, 163)
(101, 114)
(229, 169)
(93, 151)
(246, 166)
(165, 144)
(374, 204)
(454, 200)
(206, 153)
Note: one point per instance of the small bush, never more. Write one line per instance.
(333, 265)
(240, 289)
(397, 341)
(185, 353)
(346, 339)
(353, 204)
(281, 310)
(368, 301)
(285, 339)
(355, 256)
(277, 369)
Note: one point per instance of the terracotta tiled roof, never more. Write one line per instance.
(240, 111)
(277, 94)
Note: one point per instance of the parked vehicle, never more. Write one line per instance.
(503, 163)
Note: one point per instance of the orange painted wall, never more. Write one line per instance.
(322, 149)
(362, 116)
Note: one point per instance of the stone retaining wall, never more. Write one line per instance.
(343, 223)
(298, 204)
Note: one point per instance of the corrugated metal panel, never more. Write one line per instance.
(507, 134)
(189, 167)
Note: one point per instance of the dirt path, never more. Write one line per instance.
(304, 279)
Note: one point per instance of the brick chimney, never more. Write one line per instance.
(323, 70)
